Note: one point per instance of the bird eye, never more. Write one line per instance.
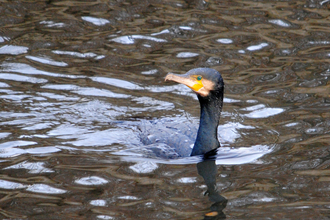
(199, 78)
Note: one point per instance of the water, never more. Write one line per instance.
(72, 73)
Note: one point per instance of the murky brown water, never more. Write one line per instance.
(76, 77)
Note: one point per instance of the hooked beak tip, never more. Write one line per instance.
(169, 77)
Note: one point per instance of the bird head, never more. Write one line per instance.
(202, 81)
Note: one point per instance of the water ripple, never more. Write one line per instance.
(27, 69)
(4, 184)
(32, 167)
(117, 82)
(91, 181)
(264, 112)
(86, 91)
(95, 21)
(46, 189)
(20, 78)
(13, 50)
(47, 61)
(280, 22)
(131, 39)
(257, 47)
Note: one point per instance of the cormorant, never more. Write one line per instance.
(174, 138)
(209, 86)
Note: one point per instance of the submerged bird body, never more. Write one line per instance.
(167, 138)
(209, 86)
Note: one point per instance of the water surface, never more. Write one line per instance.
(76, 78)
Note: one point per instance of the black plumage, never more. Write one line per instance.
(209, 86)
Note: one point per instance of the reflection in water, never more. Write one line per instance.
(208, 170)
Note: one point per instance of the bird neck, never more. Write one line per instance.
(207, 135)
